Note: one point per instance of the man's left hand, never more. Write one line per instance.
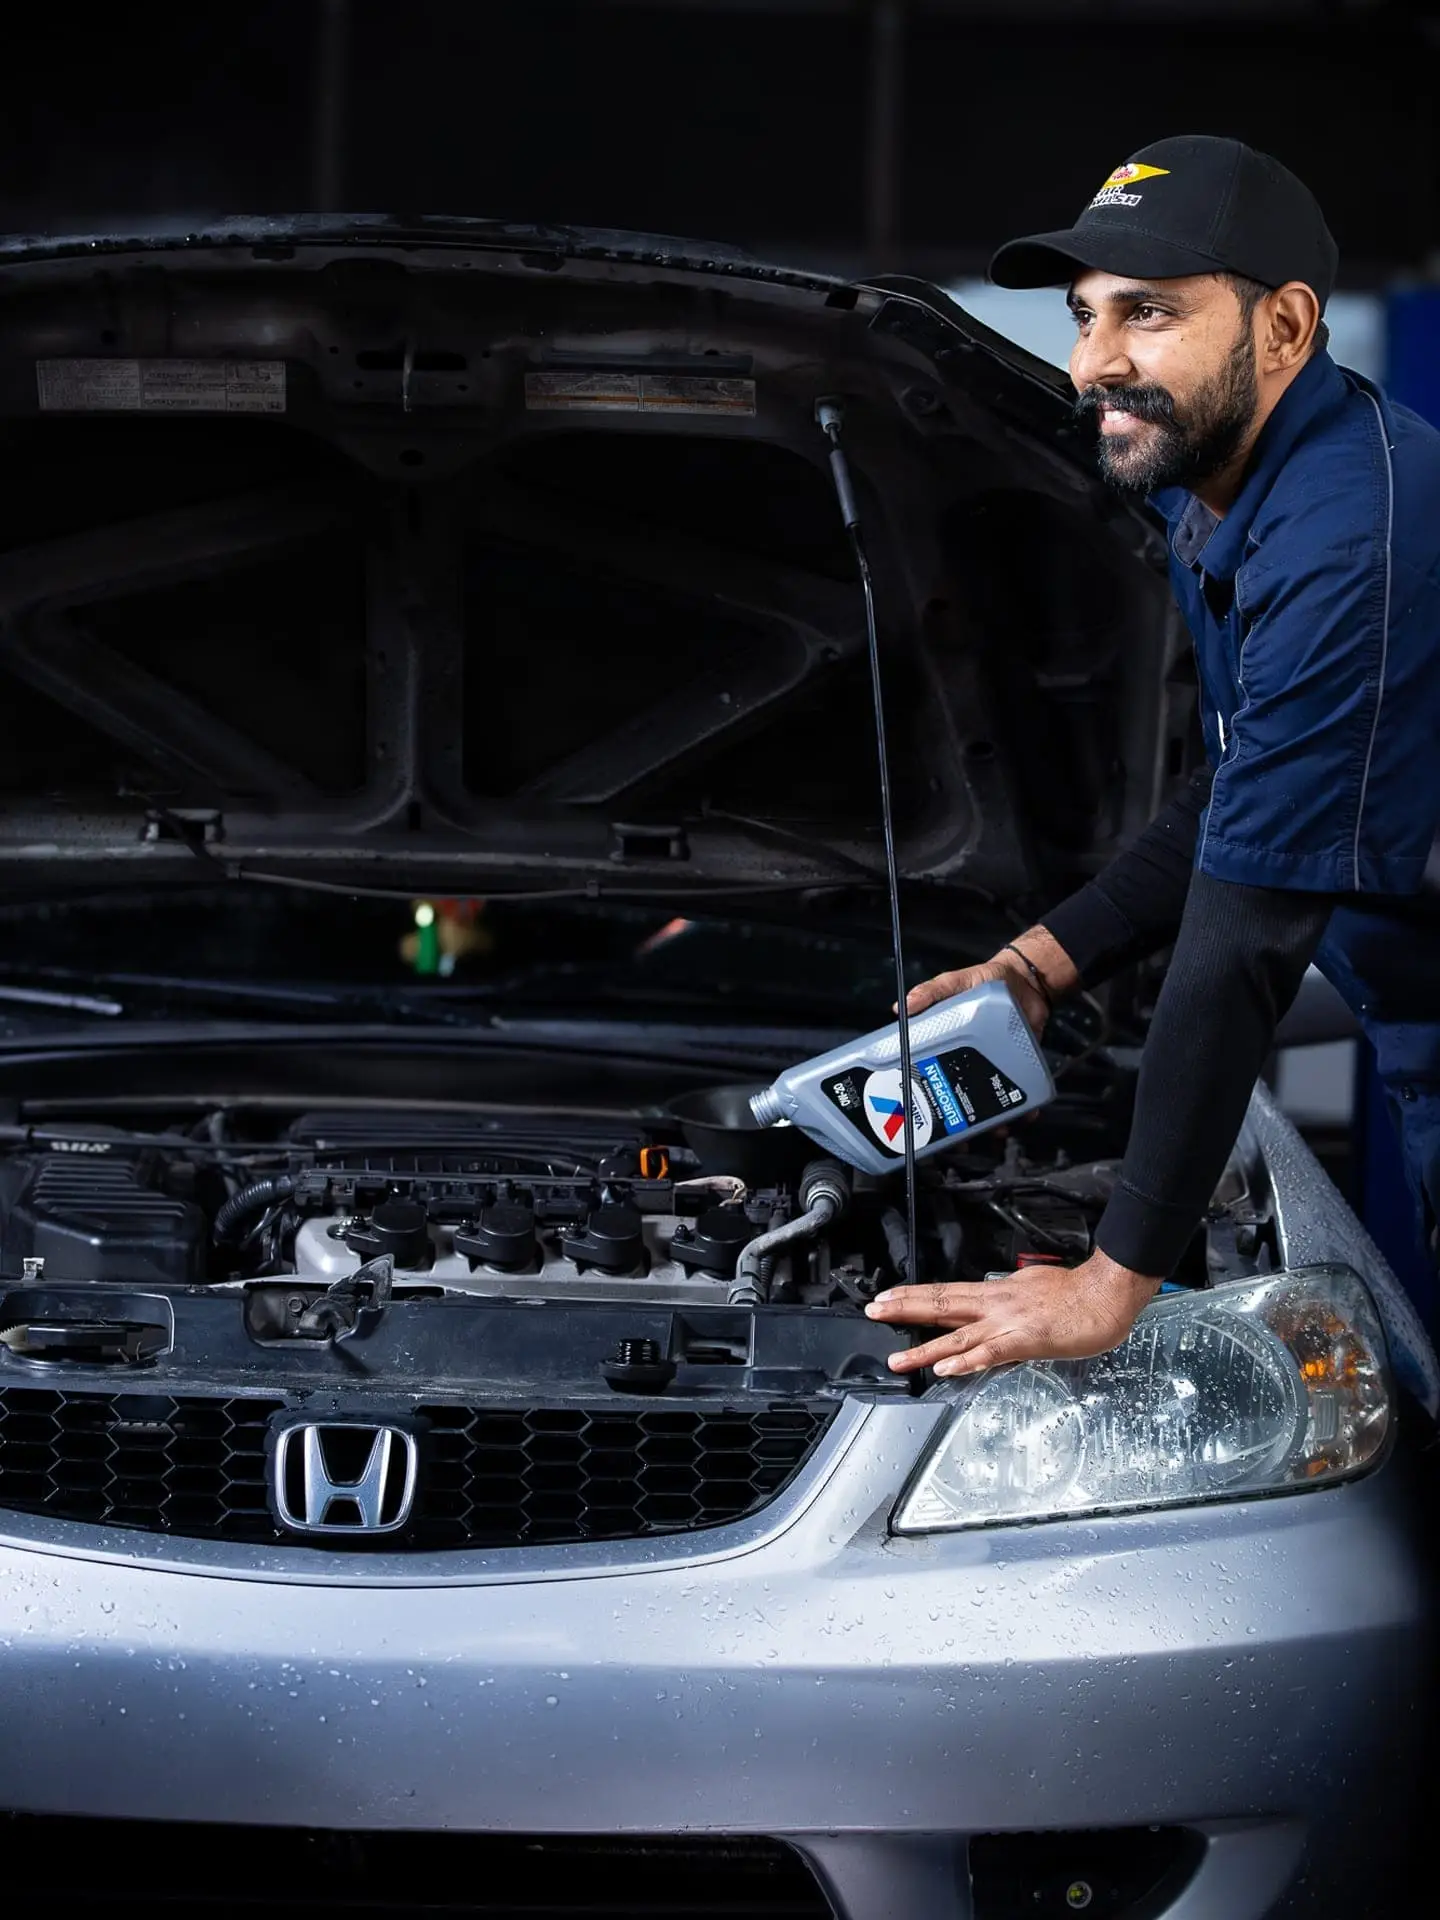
(1041, 1313)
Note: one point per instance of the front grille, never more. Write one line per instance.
(282, 1872)
(191, 1466)
(494, 1478)
(194, 1466)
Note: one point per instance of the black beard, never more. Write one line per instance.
(1185, 452)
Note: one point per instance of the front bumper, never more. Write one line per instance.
(1255, 1671)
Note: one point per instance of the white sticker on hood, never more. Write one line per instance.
(161, 386)
(603, 392)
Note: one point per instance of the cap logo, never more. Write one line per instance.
(1113, 193)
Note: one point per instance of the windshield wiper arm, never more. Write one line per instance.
(69, 1002)
(377, 1002)
(145, 982)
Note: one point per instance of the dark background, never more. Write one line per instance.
(853, 134)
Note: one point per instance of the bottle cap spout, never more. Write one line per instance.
(766, 1107)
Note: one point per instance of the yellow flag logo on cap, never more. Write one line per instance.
(1130, 172)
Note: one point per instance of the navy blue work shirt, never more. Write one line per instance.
(1314, 605)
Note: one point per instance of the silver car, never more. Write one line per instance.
(438, 789)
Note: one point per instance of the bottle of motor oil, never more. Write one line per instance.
(974, 1065)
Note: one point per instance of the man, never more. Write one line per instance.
(1303, 513)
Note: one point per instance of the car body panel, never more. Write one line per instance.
(1230, 1664)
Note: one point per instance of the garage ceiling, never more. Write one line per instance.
(855, 134)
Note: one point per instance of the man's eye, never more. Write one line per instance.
(1149, 313)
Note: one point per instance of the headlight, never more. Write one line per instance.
(1254, 1387)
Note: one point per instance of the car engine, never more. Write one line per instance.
(482, 1206)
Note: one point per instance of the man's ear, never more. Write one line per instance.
(1290, 317)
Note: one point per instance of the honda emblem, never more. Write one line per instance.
(354, 1477)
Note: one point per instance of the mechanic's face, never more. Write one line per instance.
(1166, 369)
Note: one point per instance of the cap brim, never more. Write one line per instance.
(1051, 259)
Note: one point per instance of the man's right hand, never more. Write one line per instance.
(1048, 955)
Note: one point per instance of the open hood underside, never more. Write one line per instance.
(467, 557)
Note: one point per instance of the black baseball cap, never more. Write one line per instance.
(1194, 204)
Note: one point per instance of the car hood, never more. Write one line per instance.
(458, 555)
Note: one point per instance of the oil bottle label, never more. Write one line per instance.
(950, 1093)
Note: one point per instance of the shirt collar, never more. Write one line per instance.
(1193, 530)
(1197, 536)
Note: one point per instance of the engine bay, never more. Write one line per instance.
(569, 1318)
(498, 1205)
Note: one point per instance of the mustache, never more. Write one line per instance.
(1146, 403)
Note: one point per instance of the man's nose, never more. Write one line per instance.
(1100, 359)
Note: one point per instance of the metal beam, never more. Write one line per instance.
(135, 556)
(694, 721)
(814, 624)
(59, 658)
(750, 586)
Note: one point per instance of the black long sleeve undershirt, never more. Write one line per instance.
(1134, 907)
(1239, 959)
(1240, 955)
